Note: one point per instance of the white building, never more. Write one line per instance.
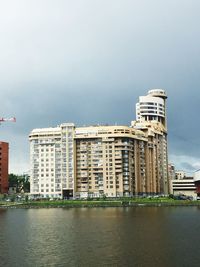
(51, 160)
(184, 186)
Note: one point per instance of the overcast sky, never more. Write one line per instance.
(88, 61)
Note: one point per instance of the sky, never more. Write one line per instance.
(88, 61)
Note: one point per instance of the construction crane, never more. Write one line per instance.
(13, 119)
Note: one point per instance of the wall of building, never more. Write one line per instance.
(3, 168)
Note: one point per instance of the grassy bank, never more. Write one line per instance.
(100, 203)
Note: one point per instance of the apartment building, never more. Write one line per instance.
(4, 167)
(110, 161)
(52, 161)
(95, 161)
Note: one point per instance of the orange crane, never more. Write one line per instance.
(13, 119)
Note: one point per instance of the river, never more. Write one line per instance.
(133, 236)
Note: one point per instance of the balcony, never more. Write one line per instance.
(84, 180)
(126, 187)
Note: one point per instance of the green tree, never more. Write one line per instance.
(13, 180)
(21, 182)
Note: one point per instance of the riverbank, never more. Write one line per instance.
(99, 203)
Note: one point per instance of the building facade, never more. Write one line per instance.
(4, 148)
(98, 161)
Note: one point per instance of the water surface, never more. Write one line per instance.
(133, 236)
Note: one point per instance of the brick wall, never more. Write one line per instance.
(3, 167)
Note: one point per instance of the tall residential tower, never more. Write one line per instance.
(151, 118)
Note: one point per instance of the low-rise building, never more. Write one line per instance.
(185, 186)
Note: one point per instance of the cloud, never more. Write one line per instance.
(186, 163)
(187, 166)
(88, 62)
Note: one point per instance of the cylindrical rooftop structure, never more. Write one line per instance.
(152, 107)
(158, 93)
